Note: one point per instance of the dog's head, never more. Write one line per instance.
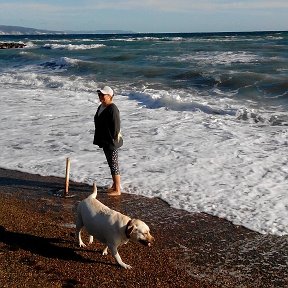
(137, 230)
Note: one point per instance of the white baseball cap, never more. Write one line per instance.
(106, 90)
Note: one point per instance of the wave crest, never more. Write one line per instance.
(73, 46)
(61, 63)
(154, 100)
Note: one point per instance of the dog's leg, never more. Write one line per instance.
(79, 225)
(105, 251)
(90, 239)
(81, 243)
(118, 258)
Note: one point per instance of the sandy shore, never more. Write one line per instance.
(38, 247)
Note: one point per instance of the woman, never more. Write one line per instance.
(107, 135)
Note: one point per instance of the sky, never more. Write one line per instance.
(147, 15)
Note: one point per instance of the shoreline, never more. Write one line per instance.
(37, 239)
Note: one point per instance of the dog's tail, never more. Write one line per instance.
(94, 194)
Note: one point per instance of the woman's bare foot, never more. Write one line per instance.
(112, 192)
(115, 190)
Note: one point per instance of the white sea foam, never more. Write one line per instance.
(29, 78)
(148, 38)
(226, 58)
(73, 46)
(29, 44)
(215, 163)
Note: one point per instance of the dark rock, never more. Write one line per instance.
(11, 45)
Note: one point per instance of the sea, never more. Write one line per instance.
(203, 117)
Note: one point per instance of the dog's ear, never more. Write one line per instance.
(129, 228)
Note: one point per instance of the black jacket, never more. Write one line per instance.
(107, 128)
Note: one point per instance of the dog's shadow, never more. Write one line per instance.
(46, 247)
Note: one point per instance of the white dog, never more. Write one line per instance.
(109, 227)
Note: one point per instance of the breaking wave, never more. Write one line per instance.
(73, 46)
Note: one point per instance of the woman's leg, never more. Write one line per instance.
(112, 159)
(116, 187)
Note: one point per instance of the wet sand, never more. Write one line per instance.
(38, 246)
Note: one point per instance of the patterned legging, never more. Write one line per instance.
(112, 159)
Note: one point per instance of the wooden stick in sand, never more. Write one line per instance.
(67, 177)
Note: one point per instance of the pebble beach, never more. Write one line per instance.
(38, 246)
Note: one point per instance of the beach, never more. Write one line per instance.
(38, 245)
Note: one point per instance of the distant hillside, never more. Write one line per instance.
(18, 30)
(101, 32)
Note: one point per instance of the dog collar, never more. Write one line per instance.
(127, 227)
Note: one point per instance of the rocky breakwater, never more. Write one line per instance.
(11, 45)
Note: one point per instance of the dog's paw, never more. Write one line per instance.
(105, 251)
(81, 244)
(126, 266)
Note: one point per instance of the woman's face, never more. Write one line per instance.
(105, 99)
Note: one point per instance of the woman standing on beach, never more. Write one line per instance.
(107, 135)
